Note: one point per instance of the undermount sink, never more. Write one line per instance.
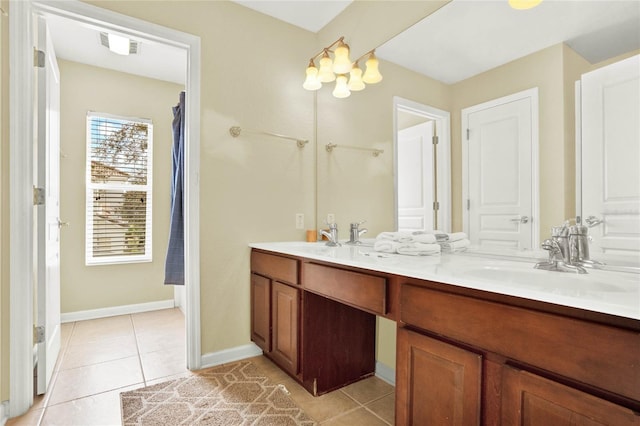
(563, 283)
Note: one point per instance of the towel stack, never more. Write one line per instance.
(421, 243)
(455, 242)
(412, 244)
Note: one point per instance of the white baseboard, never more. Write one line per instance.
(4, 412)
(385, 373)
(229, 355)
(116, 310)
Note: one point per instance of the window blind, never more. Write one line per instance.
(119, 204)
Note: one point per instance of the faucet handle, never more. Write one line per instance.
(357, 224)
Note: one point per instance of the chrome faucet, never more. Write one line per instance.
(355, 232)
(556, 260)
(568, 249)
(332, 235)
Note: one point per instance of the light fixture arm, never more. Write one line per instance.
(327, 49)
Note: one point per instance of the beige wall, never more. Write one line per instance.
(85, 88)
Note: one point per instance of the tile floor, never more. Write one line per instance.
(103, 357)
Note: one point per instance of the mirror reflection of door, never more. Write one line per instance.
(422, 169)
(611, 157)
(499, 139)
(416, 174)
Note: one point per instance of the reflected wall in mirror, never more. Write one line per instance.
(549, 47)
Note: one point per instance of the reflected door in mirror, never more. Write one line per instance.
(611, 156)
(499, 179)
(416, 178)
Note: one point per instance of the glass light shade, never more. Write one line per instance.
(524, 4)
(341, 90)
(355, 79)
(118, 44)
(371, 73)
(312, 82)
(341, 61)
(326, 75)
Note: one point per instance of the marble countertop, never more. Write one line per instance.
(610, 292)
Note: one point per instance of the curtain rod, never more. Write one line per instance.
(235, 131)
(375, 152)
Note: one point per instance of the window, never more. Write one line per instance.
(118, 198)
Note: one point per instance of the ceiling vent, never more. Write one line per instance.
(118, 44)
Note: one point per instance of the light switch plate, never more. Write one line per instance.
(299, 220)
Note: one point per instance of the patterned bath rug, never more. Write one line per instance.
(227, 395)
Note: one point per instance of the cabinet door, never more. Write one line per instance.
(528, 399)
(261, 312)
(437, 383)
(284, 321)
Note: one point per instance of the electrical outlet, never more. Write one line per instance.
(299, 220)
(331, 218)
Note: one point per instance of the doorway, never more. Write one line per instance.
(422, 166)
(22, 233)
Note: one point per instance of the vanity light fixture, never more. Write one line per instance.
(524, 4)
(346, 73)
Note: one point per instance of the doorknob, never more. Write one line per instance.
(521, 219)
(61, 224)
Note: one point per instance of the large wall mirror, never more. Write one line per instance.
(463, 55)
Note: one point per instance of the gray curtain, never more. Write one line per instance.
(174, 263)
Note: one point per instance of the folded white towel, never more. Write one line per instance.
(386, 246)
(424, 238)
(428, 231)
(439, 235)
(418, 249)
(457, 236)
(455, 246)
(395, 236)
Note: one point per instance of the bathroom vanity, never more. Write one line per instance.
(479, 340)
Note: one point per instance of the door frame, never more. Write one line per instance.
(535, 183)
(21, 135)
(443, 125)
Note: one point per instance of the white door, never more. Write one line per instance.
(611, 156)
(416, 178)
(499, 180)
(48, 224)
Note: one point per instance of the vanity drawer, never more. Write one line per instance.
(599, 355)
(364, 291)
(277, 267)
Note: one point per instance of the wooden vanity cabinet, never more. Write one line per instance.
(468, 361)
(441, 382)
(275, 307)
(321, 342)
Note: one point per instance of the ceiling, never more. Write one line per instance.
(462, 39)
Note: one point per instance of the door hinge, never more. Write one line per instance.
(38, 334)
(468, 204)
(436, 205)
(434, 139)
(38, 196)
(467, 134)
(38, 58)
